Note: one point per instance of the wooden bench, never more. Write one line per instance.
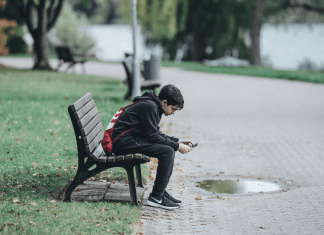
(65, 56)
(146, 84)
(89, 133)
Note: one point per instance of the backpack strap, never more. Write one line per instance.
(124, 108)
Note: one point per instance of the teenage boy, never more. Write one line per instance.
(147, 139)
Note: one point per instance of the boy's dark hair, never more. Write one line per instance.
(171, 94)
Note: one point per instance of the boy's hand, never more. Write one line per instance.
(186, 142)
(184, 148)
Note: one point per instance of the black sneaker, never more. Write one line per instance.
(172, 198)
(164, 203)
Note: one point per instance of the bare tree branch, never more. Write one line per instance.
(306, 6)
(57, 11)
(50, 12)
(28, 17)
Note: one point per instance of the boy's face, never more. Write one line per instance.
(168, 109)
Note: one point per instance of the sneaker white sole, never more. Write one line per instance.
(153, 204)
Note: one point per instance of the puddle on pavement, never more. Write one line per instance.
(239, 186)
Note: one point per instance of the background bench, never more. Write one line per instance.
(65, 56)
(145, 84)
(89, 133)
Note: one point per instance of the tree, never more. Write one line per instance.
(70, 30)
(263, 10)
(6, 29)
(40, 17)
(212, 24)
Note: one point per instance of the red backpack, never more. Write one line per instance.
(107, 141)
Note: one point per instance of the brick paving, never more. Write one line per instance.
(255, 128)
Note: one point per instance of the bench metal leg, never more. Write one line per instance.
(78, 179)
(131, 182)
(59, 65)
(139, 176)
(83, 68)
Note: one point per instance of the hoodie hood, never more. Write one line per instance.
(149, 95)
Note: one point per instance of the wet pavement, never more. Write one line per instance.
(255, 128)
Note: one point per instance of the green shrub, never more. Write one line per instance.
(17, 45)
(70, 30)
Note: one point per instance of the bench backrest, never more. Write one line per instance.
(87, 126)
(128, 64)
(64, 53)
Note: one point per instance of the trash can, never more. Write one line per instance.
(152, 69)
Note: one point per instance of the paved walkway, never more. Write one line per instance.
(252, 127)
(91, 67)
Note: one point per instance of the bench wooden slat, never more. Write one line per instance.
(88, 117)
(82, 101)
(94, 143)
(87, 140)
(102, 159)
(97, 153)
(146, 158)
(85, 131)
(84, 110)
(138, 156)
(112, 159)
(120, 158)
(129, 156)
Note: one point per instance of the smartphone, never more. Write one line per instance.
(195, 145)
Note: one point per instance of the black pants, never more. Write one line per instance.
(165, 155)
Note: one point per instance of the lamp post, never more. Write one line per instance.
(136, 73)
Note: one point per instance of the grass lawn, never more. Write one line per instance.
(305, 76)
(38, 154)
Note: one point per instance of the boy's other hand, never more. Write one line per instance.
(186, 142)
(184, 148)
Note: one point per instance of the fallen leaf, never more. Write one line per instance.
(16, 200)
(34, 203)
(55, 154)
(178, 169)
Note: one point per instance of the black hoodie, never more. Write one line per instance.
(146, 116)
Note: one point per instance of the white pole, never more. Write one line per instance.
(136, 71)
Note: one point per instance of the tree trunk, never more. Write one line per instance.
(196, 53)
(40, 47)
(256, 28)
